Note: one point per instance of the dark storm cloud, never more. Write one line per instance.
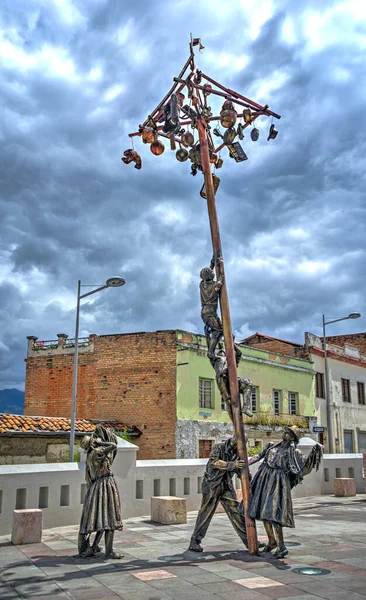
(77, 77)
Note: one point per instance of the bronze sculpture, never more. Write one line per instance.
(282, 469)
(102, 507)
(219, 363)
(217, 486)
(210, 292)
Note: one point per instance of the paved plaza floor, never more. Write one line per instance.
(330, 533)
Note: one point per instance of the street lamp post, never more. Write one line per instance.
(111, 282)
(354, 315)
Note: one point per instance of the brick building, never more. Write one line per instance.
(133, 375)
(162, 383)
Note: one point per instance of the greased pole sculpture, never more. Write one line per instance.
(168, 120)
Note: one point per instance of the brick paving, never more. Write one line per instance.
(157, 565)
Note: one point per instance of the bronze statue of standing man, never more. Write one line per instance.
(102, 506)
(217, 486)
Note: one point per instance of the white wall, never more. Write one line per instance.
(129, 473)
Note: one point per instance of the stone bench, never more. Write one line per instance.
(344, 486)
(27, 526)
(168, 509)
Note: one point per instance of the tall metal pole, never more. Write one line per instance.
(75, 378)
(327, 393)
(228, 336)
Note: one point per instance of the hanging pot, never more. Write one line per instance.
(181, 155)
(187, 139)
(157, 147)
(254, 134)
(229, 135)
(219, 163)
(272, 133)
(148, 135)
(228, 114)
(247, 114)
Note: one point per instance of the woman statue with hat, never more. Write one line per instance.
(283, 468)
(102, 506)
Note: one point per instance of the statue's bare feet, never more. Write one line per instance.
(114, 554)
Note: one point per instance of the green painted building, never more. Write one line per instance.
(283, 393)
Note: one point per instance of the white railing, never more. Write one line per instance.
(59, 488)
(342, 465)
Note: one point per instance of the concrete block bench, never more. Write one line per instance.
(168, 509)
(27, 526)
(344, 486)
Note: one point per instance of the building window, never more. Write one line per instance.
(346, 391)
(255, 399)
(223, 404)
(276, 402)
(205, 393)
(319, 385)
(205, 447)
(292, 403)
(361, 392)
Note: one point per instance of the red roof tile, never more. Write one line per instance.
(32, 425)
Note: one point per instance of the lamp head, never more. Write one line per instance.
(115, 282)
(354, 315)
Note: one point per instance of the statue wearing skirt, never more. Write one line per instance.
(102, 506)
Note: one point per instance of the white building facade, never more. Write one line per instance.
(347, 379)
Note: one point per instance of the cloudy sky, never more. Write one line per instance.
(78, 75)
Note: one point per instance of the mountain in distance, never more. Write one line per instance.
(12, 401)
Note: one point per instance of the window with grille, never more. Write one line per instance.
(223, 404)
(346, 390)
(255, 400)
(276, 402)
(205, 393)
(319, 385)
(292, 403)
(361, 392)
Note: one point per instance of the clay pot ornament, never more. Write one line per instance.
(148, 135)
(254, 134)
(272, 133)
(181, 155)
(228, 114)
(229, 135)
(187, 139)
(157, 147)
(247, 114)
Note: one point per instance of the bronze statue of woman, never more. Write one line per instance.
(102, 506)
(283, 468)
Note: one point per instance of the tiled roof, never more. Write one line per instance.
(269, 337)
(25, 424)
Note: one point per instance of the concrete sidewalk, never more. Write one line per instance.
(330, 533)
